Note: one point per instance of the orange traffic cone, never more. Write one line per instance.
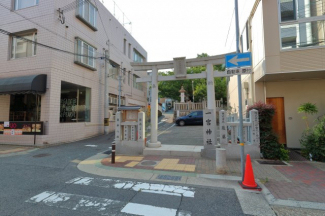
(249, 180)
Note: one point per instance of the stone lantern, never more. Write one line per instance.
(182, 91)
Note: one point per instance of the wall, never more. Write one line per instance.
(60, 66)
(295, 93)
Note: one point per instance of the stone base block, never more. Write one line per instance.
(154, 145)
(130, 148)
(209, 153)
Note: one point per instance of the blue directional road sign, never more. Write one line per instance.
(239, 60)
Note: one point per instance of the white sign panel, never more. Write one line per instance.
(126, 133)
(141, 129)
(255, 132)
(223, 127)
(133, 133)
(6, 124)
(239, 71)
(209, 127)
(118, 126)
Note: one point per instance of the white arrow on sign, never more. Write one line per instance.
(235, 60)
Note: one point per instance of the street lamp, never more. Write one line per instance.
(193, 90)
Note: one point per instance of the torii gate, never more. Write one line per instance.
(179, 65)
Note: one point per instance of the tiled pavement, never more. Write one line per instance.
(299, 181)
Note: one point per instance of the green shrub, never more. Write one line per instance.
(313, 141)
(159, 113)
(269, 145)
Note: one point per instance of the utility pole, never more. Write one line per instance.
(120, 85)
(106, 99)
(240, 107)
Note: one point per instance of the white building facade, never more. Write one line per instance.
(52, 74)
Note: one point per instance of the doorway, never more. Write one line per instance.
(278, 121)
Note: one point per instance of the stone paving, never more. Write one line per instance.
(306, 182)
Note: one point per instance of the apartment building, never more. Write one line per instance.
(287, 41)
(52, 74)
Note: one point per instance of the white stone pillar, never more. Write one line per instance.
(210, 88)
(154, 143)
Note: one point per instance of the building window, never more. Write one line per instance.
(23, 45)
(300, 9)
(20, 4)
(87, 13)
(129, 50)
(137, 57)
(114, 70)
(303, 35)
(135, 84)
(23, 107)
(124, 47)
(86, 54)
(75, 103)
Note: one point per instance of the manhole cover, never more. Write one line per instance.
(169, 177)
(41, 155)
(266, 162)
(148, 163)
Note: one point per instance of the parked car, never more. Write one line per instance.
(194, 118)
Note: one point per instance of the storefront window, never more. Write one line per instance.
(75, 103)
(23, 107)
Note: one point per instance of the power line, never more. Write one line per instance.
(2, 31)
(230, 26)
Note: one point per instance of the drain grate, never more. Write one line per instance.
(41, 155)
(267, 162)
(169, 177)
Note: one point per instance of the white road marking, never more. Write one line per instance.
(91, 146)
(147, 210)
(76, 202)
(136, 186)
(166, 129)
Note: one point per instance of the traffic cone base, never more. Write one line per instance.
(257, 187)
(249, 180)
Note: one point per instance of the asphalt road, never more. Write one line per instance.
(48, 182)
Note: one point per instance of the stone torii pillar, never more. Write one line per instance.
(154, 143)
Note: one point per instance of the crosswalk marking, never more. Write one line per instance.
(136, 186)
(76, 202)
(147, 210)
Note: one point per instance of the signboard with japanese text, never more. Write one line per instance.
(118, 126)
(255, 132)
(223, 126)
(141, 129)
(209, 127)
(21, 128)
(234, 135)
(133, 132)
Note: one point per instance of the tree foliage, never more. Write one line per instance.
(307, 108)
(170, 89)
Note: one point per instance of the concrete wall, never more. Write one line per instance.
(61, 67)
(295, 93)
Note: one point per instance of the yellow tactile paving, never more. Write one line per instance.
(132, 164)
(12, 150)
(190, 168)
(128, 158)
(179, 167)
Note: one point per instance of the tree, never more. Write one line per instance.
(170, 88)
(307, 108)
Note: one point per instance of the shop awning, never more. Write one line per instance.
(34, 84)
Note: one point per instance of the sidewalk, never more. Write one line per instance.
(9, 150)
(296, 184)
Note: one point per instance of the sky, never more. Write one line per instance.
(180, 28)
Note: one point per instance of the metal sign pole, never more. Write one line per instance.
(240, 108)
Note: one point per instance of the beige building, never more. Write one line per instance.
(52, 74)
(287, 41)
